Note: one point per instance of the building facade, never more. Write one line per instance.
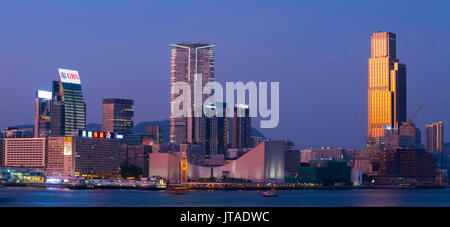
(157, 134)
(14, 132)
(217, 124)
(136, 155)
(326, 153)
(264, 163)
(2, 152)
(25, 152)
(187, 62)
(412, 165)
(68, 106)
(83, 157)
(434, 142)
(326, 172)
(434, 137)
(387, 85)
(42, 115)
(117, 116)
(242, 127)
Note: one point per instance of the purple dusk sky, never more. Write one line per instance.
(317, 51)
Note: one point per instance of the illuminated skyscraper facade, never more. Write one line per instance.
(188, 60)
(42, 115)
(68, 106)
(434, 135)
(117, 116)
(387, 86)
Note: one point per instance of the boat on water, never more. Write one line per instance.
(269, 194)
(77, 185)
(14, 184)
(177, 190)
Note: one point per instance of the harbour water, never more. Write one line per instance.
(44, 197)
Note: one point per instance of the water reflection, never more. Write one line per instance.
(53, 196)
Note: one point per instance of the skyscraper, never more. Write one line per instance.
(217, 128)
(153, 130)
(117, 116)
(387, 86)
(42, 115)
(434, 135)
(68, 106)
(189, 60)
(242, 126)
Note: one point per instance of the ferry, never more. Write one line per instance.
(269, 194)
(177, 190)
(77, 185)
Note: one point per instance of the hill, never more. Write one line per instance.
(141, 128)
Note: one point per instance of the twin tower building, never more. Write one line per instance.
(189, 60)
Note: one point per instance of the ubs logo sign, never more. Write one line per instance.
(63, 75)
(69, 76)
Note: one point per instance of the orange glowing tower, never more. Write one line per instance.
(387, 86)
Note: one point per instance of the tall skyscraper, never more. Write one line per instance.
(434, 142)
(434, 135)
(242, 126)
(117, 116)
(68, 106)
(387, 86)
(217, 128)
(42, 115)
(189, 60)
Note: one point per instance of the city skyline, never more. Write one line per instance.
(422, 78)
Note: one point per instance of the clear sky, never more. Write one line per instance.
(317, 50)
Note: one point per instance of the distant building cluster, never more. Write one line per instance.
(219, 147)
(394, 154)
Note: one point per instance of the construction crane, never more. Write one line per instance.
(414, 115)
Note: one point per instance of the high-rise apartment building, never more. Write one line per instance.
(188, 61)
(387, 86)
(242, 127)
(42, 115)
(68, 106)
(434, 136)
(117, 116)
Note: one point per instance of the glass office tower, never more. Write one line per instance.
(117, 115)
(242, 126)
(387, 86)
(42, 115)
(68, 106)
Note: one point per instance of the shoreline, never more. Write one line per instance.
(204, 187)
